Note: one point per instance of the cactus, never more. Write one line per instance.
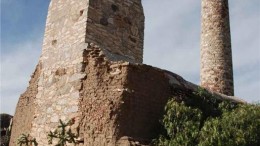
(26, 140)
(63, 134)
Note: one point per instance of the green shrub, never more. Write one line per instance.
(182, 124)
(239, 127)
(217, 123)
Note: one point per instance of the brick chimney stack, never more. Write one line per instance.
(216, 71)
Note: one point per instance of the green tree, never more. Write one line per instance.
(182, 124)
(218, 123)
(239, 127)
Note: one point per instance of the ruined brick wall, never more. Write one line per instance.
(121, 103)
(148, 90)
(25, 109)
(100, 97)
(216, 56)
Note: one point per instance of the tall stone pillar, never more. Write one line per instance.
(114, 26)
(216, 71)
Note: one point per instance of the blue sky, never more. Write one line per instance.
(172, 35)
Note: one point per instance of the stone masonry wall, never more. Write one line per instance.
(216, 55)
(118, 27)
(60, 78)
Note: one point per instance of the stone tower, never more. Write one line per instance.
(216, 57)
(116, 26)
(73, 26)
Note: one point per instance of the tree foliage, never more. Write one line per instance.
(238, 127)
(217, 123)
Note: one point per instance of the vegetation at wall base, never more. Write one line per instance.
(6, 127)
(217, 123)
(5, 140)
(63, 134)
(27, 140)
